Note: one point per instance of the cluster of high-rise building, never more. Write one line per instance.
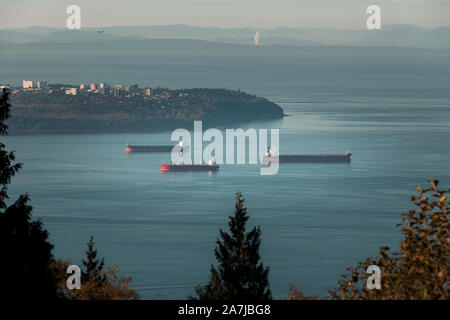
(101, 88)
(118, 90)
(30, 84)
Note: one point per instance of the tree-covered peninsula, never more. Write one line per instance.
(64, 109)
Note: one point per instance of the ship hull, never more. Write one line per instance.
(188, 167)
(132, 149)
(309, 158)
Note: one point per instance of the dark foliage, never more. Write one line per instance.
(240, 275)
(26, 253)
(420, 269)
(93, 265)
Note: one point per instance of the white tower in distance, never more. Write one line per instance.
(256, 37)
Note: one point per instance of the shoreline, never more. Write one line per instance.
(186, 125)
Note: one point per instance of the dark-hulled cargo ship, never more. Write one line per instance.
(190, 167)
(133, 148)
(270, 157)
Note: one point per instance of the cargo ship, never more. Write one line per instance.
(270, 157)
(133, 148)
(210, 166)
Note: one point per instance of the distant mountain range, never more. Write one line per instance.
(389, 36)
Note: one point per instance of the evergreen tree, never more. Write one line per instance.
(93, 266)
(101, 284)
(240, 274)
(26, 253)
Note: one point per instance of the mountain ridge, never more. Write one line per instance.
(389, 35)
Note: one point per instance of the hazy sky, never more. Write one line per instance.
(225, 13)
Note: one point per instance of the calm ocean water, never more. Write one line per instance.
(390, 108)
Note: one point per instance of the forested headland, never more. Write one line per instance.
(53, 111)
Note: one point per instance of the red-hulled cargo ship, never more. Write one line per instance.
(270, 157)
(190, 167)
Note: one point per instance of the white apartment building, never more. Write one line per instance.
(27, 84)
(72, 91)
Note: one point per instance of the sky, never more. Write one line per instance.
(344, 14)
